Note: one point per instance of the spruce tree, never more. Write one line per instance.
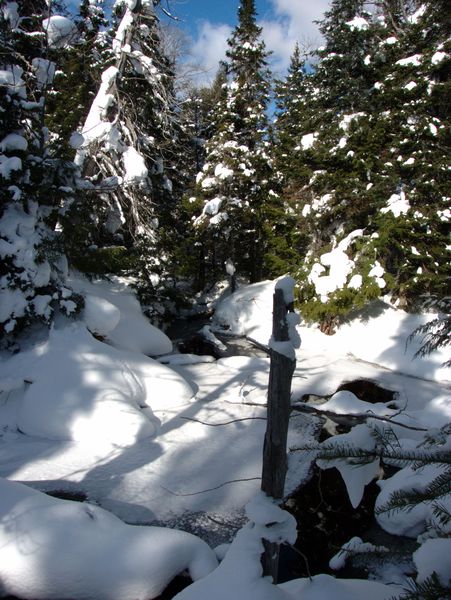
(237, 191)
(32, 182)
(375, 192)
(129, 154)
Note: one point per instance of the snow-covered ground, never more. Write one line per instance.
(182, 441)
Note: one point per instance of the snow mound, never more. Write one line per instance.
(100, 316)
(421, 516)
(434, 555)
(85, 391)
(239, 576)
(320, 587)
(248, 312)
(132, 331)
(105, 557)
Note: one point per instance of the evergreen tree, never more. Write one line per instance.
(290, 116)
(376, 161)
(32, 183)
(130, 154)
(237, 191)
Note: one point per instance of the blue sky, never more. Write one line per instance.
(209, 23)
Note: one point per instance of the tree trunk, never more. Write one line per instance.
(278, 412)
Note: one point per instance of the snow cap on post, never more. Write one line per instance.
(286, 284)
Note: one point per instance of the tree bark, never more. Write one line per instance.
(278, 414)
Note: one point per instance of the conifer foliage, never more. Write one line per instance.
(371, 190)
(237, 187)
(32, 182)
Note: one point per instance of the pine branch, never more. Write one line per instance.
(342, 451)
(408, 499)
(429, 589)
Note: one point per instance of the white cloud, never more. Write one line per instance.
(293, 23)
(209, 48)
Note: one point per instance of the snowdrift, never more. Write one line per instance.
(51, 548)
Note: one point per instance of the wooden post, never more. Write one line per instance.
(278, 414)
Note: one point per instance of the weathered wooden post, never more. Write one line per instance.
(283, 362)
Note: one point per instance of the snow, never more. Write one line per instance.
(415, 17)
(421, 517)
(9, 165)
(61, 31)
(434, 555)
(397, 204)
(13, 141)
(132, 331)
(358, 24)
(230, 267)
(344, 402)
(44, 70)
(100, 316)
(97, 127)
(239, 575)
(410, 61)
(347, 120)
(355, 546)
(308, 140)
(390, 41)
(94, 395)
(212, 206)
(356, 475)
(11, 14)
(105, 557)
(410, 86)
(11, 78)
(135, 166)
(339, 267)
(223, 172)
(438, 57)
(322, 587)
(137, 437)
